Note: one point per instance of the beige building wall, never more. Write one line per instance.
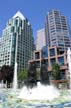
(40, 39)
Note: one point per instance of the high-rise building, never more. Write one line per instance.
(57, 35)
(0, 48)
(57, 29)
(0, 42)
(17, 42)
(40, 39)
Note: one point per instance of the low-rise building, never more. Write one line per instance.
(49, 56)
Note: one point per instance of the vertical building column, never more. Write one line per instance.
(56, 55)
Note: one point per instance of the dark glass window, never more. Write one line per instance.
(62, 75)
(20, 23)
(45, 62)
(12, 29)
(61, 60)
(53, 60)
(44, 52)
(37, 55)
(60, 51)
(37, 64)
(16, 22)
(52, 52)
(50, 76)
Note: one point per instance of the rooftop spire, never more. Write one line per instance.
(19, 14)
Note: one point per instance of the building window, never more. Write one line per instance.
(16, 22)
(45, 61)
(37, 64)
(62, 75)
(61, 60)
(44, 52)
(12, 29)
(50, 76)
(52, 52)
(20, 23)
(60, 51)
(53, 60)
(37, 55)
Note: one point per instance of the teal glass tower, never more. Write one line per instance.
(17, 42)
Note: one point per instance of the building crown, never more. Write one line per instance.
(19, 14)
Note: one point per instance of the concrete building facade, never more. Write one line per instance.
(53, 55)
(57, 42)
(57, 29)
(40, 39)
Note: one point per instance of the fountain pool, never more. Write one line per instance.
(39, 97)
(40, 92)
(9, 99)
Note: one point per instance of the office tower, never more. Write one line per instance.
(57, 42)
(40, 39)
(0, 42)
(57, 29)
(0, 48)
(17, 42)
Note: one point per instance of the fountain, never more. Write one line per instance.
(42, 91)
(15, 83)
(69, 63)
(40, 95)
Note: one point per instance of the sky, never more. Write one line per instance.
(34, 10)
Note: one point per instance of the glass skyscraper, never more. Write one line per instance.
(17, 42)
(57, 29)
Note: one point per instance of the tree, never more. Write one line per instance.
(32, 75)
(38, 74)
(22, 75)
(44, 77)
(7, 74)
(56, 71)
(0, 75)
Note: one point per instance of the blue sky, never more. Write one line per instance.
(34, 10)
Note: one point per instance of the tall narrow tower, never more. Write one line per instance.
(57, 29)
(17, 42)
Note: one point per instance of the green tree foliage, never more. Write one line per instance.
(38, 75)
(56, 71)
(22, 75)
